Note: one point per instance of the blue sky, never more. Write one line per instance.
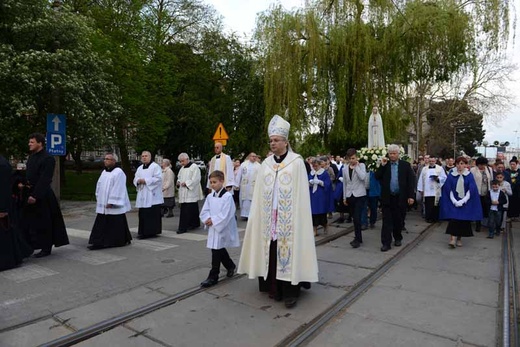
(240, 16)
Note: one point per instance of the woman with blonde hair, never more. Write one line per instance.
(168, 188)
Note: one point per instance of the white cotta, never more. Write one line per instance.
(149, 194)
(111, 190)
(192, 192)
(223, 233)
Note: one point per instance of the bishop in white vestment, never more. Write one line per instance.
(111, 227)
(279, 246)
(148, 180)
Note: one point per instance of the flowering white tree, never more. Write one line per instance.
(48, 65)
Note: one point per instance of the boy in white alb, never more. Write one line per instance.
(218, 215)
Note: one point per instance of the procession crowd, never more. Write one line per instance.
(285, 199)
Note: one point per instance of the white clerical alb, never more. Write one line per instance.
(376, 135)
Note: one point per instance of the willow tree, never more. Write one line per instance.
(325, 63)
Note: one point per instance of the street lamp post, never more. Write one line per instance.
(485, 144)
(455, 127)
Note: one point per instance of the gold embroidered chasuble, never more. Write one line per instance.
(285, 186)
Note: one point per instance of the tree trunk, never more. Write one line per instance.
(123, 150)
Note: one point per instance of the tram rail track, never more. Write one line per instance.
(509, 307)
(111, 323)
(307, 332)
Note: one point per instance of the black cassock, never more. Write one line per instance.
(110, 231)
(12, 246)
(42, 222)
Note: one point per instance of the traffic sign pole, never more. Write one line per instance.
(56, 146)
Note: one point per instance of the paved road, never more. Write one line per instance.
(73, 275)
(433, 296)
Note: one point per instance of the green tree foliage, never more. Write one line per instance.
(453, 122)
(48, 65)
(324, 64)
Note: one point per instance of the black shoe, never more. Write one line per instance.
(489, 237)
(404, 229)
(231, 272)
(397, 243)
(372, 226)
(290, 302)
(94, 247)
(477, 230)
(339, 220)
(42, 254)
(208, 283)
(305, 285)
(349, 220)
(169, 215)
(385, 248)
(181, 231)
(355, 244)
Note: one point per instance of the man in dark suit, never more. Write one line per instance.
(397, 193)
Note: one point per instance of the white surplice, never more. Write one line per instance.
(111, 189)
(149, 194)
(223, 233)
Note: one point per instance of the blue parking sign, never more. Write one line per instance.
(56, 134)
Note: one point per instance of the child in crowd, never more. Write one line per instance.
(495, 200)
(504, 186)
(218, 214)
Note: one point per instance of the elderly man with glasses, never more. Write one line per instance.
(111, 227)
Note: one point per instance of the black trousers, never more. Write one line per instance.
(392, 221)
(277, 289)
(356, 206)
(219, 256)
(431, 212)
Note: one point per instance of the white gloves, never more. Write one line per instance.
(340, 179)
(316, 181)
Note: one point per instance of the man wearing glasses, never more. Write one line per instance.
(111, 227)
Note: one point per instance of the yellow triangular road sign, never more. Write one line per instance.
(221, 134)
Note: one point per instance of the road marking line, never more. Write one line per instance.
(16, 301)
(88, 257)
(82, 234)
(173, 235)
(152, 245)
(27, 273)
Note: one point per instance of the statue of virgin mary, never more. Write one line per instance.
(376, 135)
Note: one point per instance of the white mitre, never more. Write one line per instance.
(279, 126)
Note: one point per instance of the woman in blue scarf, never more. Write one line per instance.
(460, 203)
